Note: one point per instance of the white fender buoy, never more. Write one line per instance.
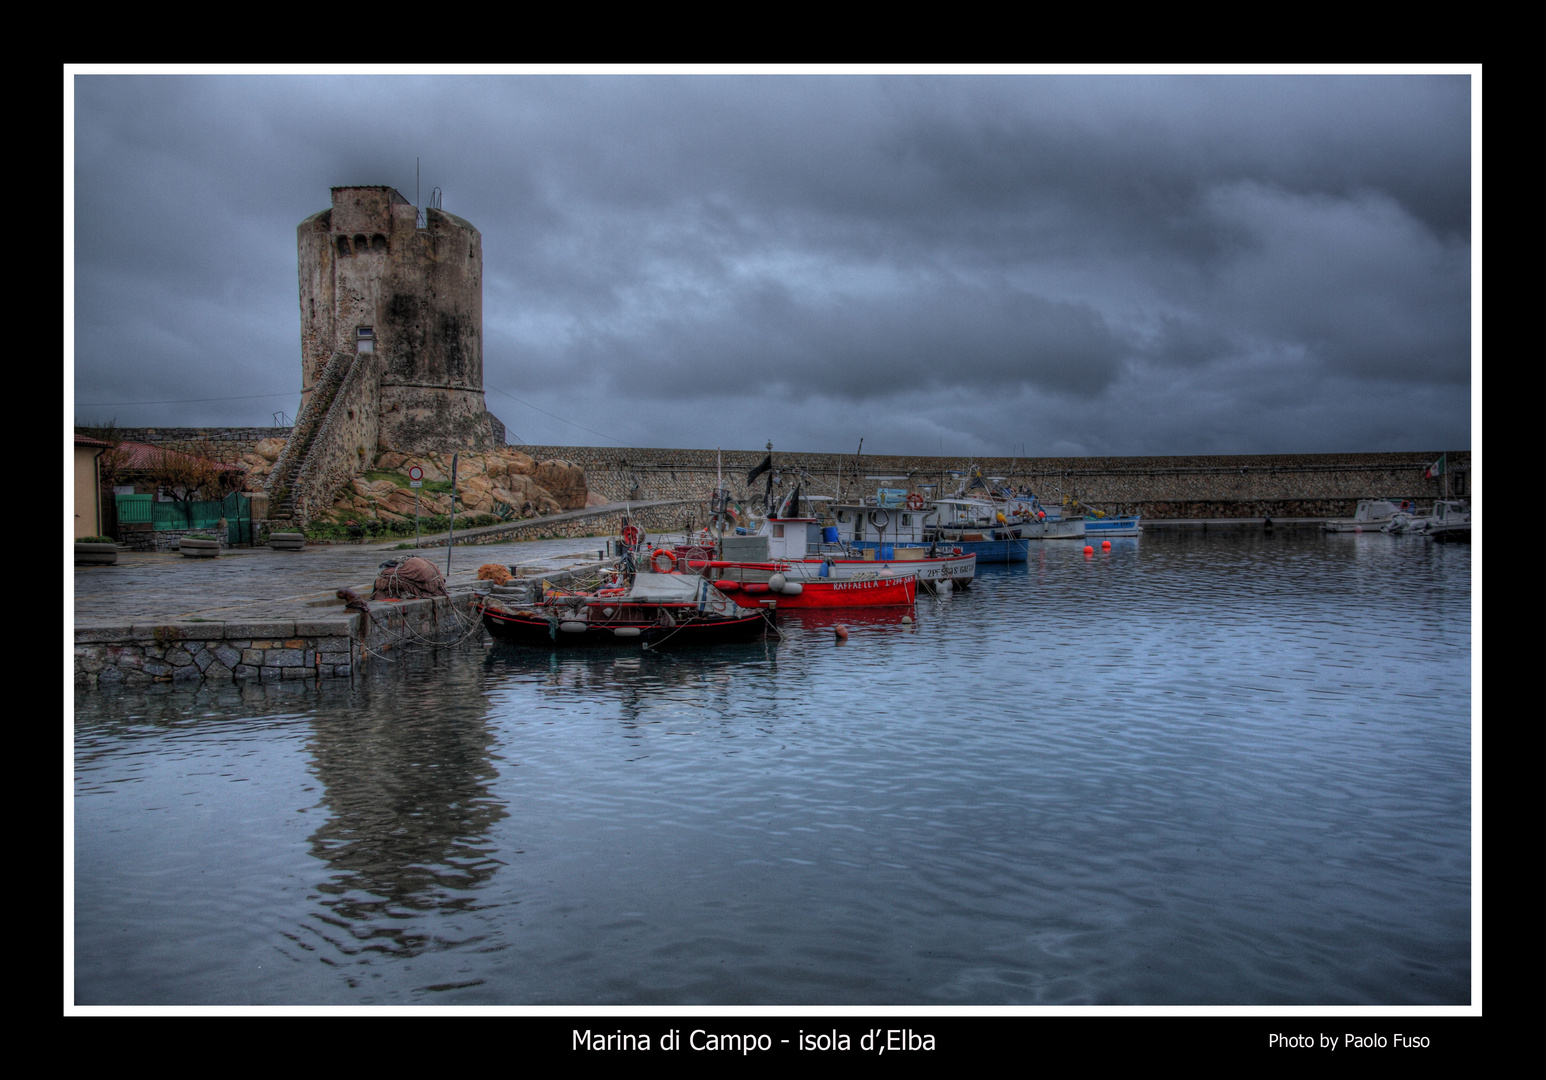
(944, 585)
(776, 583)
(793, 588)
(626, 631)
(573, 627)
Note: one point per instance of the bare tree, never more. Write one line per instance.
(190, 478)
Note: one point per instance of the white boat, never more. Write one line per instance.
(1099, 523)
(1009, 524)
(1408, 521)
(1449, 522)
(869, 541)
(1370, 516)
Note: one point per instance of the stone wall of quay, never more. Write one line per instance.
(1201, 486)
(1222, 486)
(332, 645)
(223, 444)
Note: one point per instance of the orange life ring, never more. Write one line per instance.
(915, 501)
(670, 563)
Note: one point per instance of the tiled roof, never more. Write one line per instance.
(145, 456)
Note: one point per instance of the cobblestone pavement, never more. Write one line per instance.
(255, 583)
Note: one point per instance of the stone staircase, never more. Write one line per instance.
(284, 482)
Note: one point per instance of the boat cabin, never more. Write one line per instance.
(863, 525)
(1449, 511)
(967, 514)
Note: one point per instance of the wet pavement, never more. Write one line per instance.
(254, 583)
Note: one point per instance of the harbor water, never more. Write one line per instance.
(1198, 769)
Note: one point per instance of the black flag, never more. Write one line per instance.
(767, 463)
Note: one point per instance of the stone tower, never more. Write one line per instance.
(373, 281)
(391, 344)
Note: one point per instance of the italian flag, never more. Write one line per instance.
(1436, 469)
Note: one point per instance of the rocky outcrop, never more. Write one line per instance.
(504, 483)
(565, 480)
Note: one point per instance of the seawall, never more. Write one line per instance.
(1186, 487)
(332, 644)
(1158, 487)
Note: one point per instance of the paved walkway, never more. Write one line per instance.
(256, 583)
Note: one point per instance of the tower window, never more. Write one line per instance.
(365, 339)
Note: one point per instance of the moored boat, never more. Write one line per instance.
(874, 547)
(1099, 523)
(1369, 516)
(868, 541)
(653, 611)
(769, 584)
(1449, 522)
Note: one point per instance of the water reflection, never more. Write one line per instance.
(406, 773)
(1187, 770)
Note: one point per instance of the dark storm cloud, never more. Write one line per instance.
(1222, 262)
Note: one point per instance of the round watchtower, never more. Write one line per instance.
(374, 280)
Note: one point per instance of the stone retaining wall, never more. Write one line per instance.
(227, 444)
(1198, 486)
(331, 645)
(1245, 485)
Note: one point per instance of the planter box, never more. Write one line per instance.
(199, 549)
(96, 554)
(287, 541)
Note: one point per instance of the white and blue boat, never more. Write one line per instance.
(980, 527)
(1098, 523)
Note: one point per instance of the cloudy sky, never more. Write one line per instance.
(970, 263)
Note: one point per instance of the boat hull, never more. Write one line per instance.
(829, 593)
(997, 550)
(1109, 527)
(1450, 534)
(532, 628)
(958, 570)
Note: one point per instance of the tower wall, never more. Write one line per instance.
(371, 280)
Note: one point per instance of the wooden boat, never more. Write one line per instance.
(654, 611)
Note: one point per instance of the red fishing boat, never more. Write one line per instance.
(773, 584)
(652, 611)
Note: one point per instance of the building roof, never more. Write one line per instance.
(139, 455)
(87, 440)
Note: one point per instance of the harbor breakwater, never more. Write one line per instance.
(1188, 487)
(1284, 486)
